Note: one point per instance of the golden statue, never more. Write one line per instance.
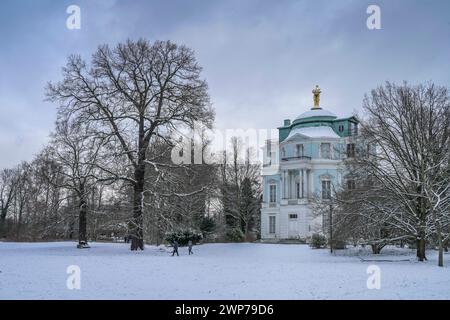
(316, 92)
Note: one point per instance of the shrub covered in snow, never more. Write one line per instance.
(235, 235)
(318, 241)
(183, 236)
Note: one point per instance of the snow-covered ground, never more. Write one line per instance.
(215, 271)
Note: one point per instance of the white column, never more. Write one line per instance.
(287, 183)
(305, 183)
(302, 185)
(293, 185)
(291, 182)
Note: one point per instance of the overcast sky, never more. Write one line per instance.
(260, 58)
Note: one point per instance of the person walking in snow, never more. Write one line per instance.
(175, 248)
(190, 247)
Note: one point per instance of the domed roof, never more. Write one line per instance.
(315, 112)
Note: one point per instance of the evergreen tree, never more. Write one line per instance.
(248, 207)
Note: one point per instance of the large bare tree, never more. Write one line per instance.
(409, 129)
(133, 93)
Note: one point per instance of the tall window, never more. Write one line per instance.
(326, 189)
(297, 189)
(268, 147)
(283, 152)
(350, 150)
(299, 150)
(273, 193)
(272, 224)
(325, 150)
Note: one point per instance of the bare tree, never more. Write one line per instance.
(134, 93)
(357, 211)
(8, 184)
(408, 127)
(48, 197)
(240, 187)
(176, 195)
(21, 195)
(437, 182)
(76, 150)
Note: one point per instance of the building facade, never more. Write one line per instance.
(302, 166)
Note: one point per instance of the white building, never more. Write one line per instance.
(305, 162)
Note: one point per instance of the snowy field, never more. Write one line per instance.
(215, 271)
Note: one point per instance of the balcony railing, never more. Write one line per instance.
(269, 204)
(296, 158)
(295, 201)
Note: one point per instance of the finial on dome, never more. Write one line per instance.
(316, 95)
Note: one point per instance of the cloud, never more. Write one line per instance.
(260, 58)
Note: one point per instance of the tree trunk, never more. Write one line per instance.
(331, 228)
(441, 253)
(3, 223)
(439, 239)
(82, 220)
(19, 222)
(137, 222)
(421, 248)
(376, 249)
(441, 248)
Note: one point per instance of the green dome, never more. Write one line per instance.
(315, 113)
